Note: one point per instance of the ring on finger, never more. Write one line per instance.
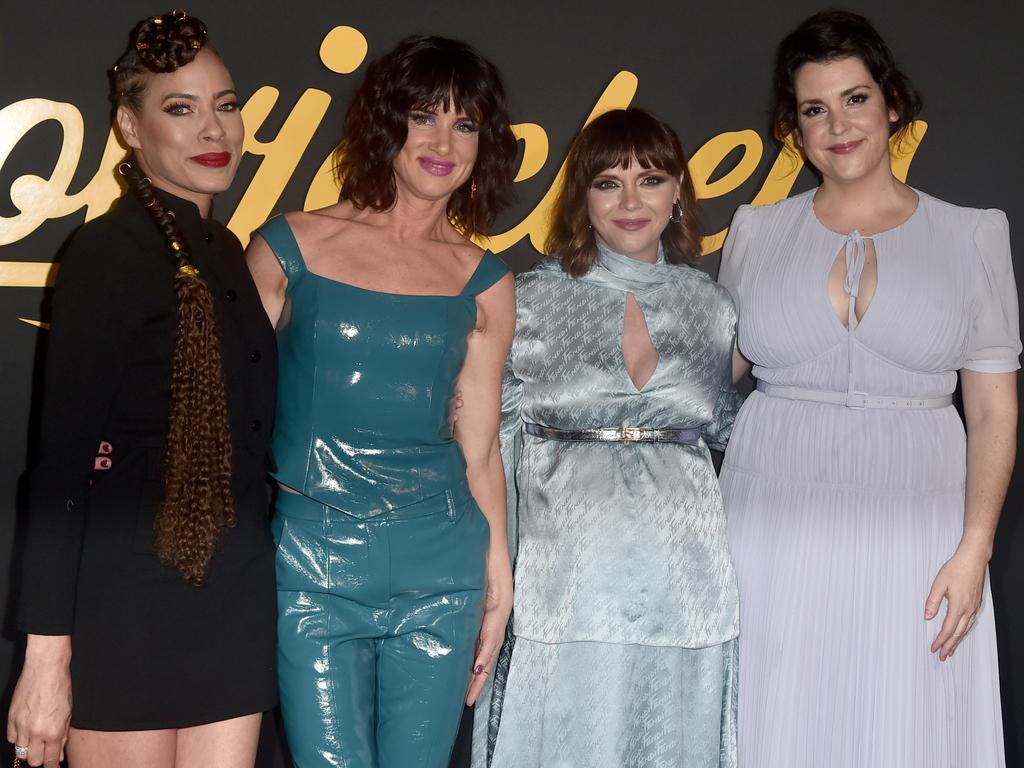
(20, 751)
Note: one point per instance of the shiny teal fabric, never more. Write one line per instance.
(381, 554)
(377, 626)
(364, 388)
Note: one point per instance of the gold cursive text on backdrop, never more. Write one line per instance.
(38, 199)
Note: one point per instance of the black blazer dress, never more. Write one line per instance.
(149, 650)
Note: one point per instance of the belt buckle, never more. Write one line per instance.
(632, 434)
(853, 397)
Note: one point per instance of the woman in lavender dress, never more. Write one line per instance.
(861, 516)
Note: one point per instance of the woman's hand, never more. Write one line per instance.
(40, 711)
(497, 607)
(961, 582)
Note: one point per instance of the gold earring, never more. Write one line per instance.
(472, 187)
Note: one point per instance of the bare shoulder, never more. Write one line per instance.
(328, 228)
(468, 253)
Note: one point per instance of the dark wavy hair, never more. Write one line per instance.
(835, 34)
(197, 502)
(613, 140)
(427, 73)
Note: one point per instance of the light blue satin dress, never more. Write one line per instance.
(625, 612)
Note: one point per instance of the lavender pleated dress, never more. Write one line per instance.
(839, 518)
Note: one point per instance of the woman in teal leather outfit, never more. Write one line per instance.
(391, 529)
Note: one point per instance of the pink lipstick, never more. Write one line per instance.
(435, 166)
(212, 159)
(845, 148)
(631, 225)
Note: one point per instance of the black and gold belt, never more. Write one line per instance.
(616, 434)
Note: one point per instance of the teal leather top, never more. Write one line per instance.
(365, 383)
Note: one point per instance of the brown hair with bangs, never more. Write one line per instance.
(426, 73)
(615, 140)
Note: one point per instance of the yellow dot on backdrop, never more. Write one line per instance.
(343, 50)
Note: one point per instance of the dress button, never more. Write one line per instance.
(255, 425)
(230, 295)
(255, 356)
(208, 237)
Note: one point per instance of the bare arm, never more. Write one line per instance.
(270, 279)
(740, 366)
(990, 411)
(477, 433)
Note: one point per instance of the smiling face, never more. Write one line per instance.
(187, 135)
(438, 155)
(630, 207)
(843, 122)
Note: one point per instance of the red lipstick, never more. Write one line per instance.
(212, 159)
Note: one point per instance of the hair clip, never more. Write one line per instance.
(157, 20)
(195, 43)
(186, 270)
(142, 46)
(178, 14)
(175, 245)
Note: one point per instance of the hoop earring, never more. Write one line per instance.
(677, 212)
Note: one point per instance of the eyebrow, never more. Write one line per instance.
(193, 97)
(844, 94)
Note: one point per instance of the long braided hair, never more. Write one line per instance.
(197, 502)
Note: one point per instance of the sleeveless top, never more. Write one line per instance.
(365, 384)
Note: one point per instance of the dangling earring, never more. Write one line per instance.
(472, 187)
(677, 212)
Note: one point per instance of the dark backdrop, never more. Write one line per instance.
(703, 65)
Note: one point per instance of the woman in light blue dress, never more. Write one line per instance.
(622, 647)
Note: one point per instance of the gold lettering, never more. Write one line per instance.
(40, 199)
(343, 50)
(617, 95)
(903, 149)
(705, 162)
(280, 156)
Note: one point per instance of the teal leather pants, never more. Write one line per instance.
(377, 627)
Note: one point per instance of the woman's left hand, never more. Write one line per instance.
(497, 607)
(960, 581)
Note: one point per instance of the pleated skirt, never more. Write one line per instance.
(834, 570)
(603, 705)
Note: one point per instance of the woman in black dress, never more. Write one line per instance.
(148, 590)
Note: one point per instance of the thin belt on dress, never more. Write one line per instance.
(855, 400)
(616, 434)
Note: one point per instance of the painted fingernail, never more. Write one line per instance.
(105, 463)
(106, 447)
(478, 669)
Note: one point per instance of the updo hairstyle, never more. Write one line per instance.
(197, 502)
(828, 36)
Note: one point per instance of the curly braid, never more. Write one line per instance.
(197, 502)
